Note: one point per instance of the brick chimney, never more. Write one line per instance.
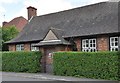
(31, 12)
(3, 24)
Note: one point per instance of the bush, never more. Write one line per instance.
(99, 65)
(0, 61)
(21, 62)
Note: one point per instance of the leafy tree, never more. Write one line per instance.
(8, 33)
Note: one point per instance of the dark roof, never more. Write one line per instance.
(60, 41)
(100, 18)
(18, 22)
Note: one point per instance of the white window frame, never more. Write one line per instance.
(34, 48)
(88, 45)
(114, 47)
(19, 47)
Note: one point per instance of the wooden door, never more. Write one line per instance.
(49, 59)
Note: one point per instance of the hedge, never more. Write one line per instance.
(97, 65)
(0, 61)
(21, 62)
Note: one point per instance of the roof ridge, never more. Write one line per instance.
(73, 8)
(55, 28)
(17, 18)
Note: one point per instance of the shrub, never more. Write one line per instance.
(0, 61)
(99, 65)
(21, 62)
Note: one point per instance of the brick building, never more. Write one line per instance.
(89, 28)
(18, 22)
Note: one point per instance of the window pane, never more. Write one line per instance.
(33, 48)
(89, 45)
(87, 41)
(93, 41)
(116, 39)
(114, 43)
(19, 47)
(116, 49)
(112, 40)
(90, 41)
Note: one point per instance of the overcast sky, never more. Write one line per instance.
(10, 9)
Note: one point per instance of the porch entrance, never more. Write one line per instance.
(48, 53)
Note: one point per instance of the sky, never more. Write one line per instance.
(10, 9)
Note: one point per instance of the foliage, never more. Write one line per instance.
(99, 65)
(21, 62)
(0, 61)
(0, 39)
(8, 33)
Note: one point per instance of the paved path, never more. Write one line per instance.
(42, 77)
(14, 78)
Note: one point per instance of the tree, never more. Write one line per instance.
(0, 38)
(8, 33)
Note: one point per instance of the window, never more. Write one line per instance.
(19, 47)
(89, 45)
(114, 44)
(34, 48)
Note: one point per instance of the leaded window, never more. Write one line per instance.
(113, 43)
(19, 47)
(89, 45)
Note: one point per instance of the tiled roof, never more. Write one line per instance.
(18, 22)
(100, 18)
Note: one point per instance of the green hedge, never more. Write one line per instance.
(0, 61)
(98, 65)
(21, 62)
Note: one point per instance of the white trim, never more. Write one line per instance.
(32, 48)
(19, 47)
(30, 19)
(89, 45)
(51, 41)
(113, 47)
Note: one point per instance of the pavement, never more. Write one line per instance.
(0, 77)
(45, 76)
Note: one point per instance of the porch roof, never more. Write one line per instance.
(52, 42)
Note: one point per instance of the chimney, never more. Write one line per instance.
(31, 12)
(3, 24)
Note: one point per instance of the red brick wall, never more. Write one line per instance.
(78, 43)
(103, 43)
(12, 47)
(27, 47)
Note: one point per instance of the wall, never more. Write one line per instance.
(27, 47)
(12, 47)
(103, 43)
(78, 43)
